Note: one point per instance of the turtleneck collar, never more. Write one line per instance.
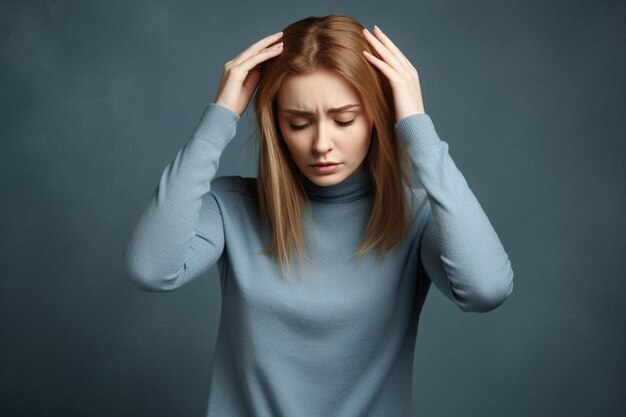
(354, 187)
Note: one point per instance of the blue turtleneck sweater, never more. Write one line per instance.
(339, 341)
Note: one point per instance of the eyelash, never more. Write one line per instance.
(343, 124)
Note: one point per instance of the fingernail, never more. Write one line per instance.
(376, 27)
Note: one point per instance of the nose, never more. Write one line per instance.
(322, 142)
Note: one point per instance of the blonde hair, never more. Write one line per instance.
(333, 42)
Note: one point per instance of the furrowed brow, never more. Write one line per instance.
(333, 110)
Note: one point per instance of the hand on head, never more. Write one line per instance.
(241, 75)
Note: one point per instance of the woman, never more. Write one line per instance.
(336, 336)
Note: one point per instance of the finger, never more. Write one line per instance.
(391, 46)
(265, 54)
(249, 84)
(385, 68)
(256, 47)
(382, 50)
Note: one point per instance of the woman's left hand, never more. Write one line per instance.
(402, 76)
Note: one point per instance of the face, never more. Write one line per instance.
(315, 133)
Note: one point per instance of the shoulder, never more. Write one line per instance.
(232, 197)
(230, 189)
(228, 193)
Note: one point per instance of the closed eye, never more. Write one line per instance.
(300, 127)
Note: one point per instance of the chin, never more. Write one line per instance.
(328, 179)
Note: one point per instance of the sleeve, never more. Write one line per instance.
(459, 248)
(180, 233)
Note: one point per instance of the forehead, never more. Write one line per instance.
(320, 90)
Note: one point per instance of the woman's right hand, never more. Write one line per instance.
(241, 76)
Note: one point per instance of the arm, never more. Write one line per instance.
(460, 251)
(180, 233)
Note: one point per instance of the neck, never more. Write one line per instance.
(356, 186)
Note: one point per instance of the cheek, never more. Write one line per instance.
(364, 134)
(296, 150)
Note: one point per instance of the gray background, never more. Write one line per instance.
(97, 97)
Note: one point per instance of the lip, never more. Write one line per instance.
(326, 168)
(325, 164)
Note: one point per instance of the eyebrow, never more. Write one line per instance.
(334, 110)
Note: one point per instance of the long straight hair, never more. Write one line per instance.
(333, 42)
